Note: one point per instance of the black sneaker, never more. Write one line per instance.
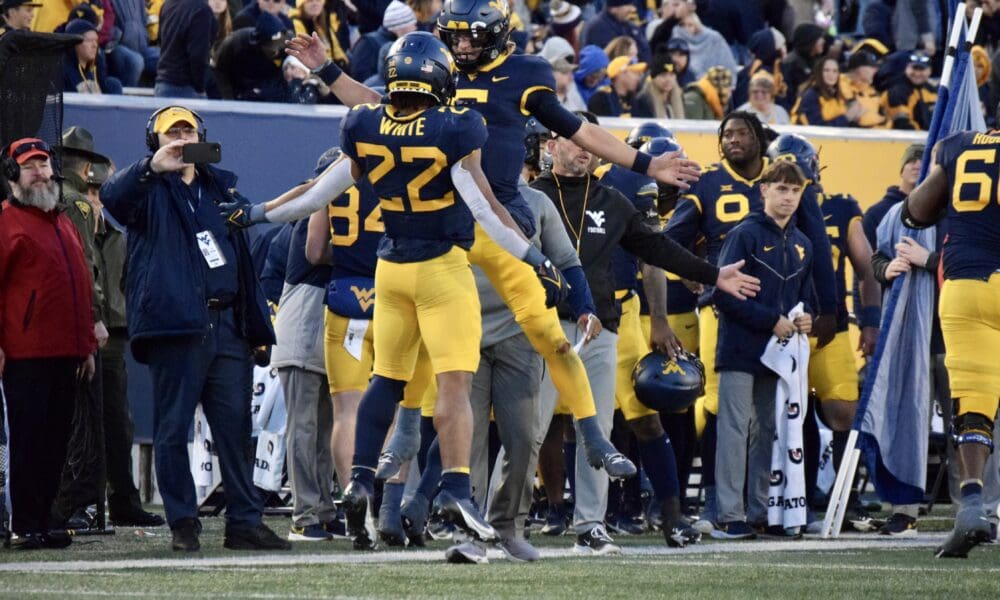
(900, 525)
(136, 517)
(627, 525)
(185, 535)
(259, 537)
(360, 523)
(555, 521)
(83, 519)
(466, 553)
(337, 527)
(596, 542)
(680, 534)
(464, 513)
(734, 530)
(860, 521)
(26, 541)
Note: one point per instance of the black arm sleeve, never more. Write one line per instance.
(544, 105)
(660, 251)
(880, 262)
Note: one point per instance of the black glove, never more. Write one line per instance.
(241, 213)
(556, 288)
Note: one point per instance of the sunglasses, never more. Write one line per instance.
(22, 149)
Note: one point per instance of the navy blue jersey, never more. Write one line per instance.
(356, 229)
(839, 211)
(972, 248)
(712, 207)
(641, 191)
(408, 161)
(500, 92)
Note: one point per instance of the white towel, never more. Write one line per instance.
(789, 359)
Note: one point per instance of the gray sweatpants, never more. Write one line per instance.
(507, 382)
(600, 358)
(309, 462)
(746, 412)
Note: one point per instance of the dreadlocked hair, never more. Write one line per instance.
(752, 122)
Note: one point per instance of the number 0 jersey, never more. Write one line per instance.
(839, 211)
(408, 161)
(972, 249)
(712, 207)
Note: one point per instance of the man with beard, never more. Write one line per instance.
(726, 193)
(46, 336)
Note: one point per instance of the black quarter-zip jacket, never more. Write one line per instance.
(602, 219)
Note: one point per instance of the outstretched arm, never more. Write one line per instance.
(310, 50)
(298, 202)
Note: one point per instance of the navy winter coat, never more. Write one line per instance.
(165, 272)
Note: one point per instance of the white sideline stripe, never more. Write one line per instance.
(856, 542)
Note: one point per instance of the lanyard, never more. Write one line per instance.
(578, 232)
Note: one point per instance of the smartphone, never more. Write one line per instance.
(201, 153)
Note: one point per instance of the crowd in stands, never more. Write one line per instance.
(871, 65)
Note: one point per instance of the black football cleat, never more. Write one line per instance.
(971, 529)
(465, 515)
(360, 524)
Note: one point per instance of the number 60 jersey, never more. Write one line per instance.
(972, 249)
(408, 161)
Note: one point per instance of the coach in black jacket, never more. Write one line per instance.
(598, 219)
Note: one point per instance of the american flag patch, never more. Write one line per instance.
(427, 68)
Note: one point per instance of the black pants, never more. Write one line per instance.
(39, 400)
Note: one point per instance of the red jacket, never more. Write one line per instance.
(44, 286)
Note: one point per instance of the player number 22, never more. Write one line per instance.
(409, 154)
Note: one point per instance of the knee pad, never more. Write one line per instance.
(973, 428)
(647, 428)
(387, 387)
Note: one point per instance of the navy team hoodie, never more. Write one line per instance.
(782, 260)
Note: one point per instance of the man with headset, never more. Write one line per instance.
(47, 341)
(196, 311)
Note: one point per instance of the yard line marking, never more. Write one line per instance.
(845, 543)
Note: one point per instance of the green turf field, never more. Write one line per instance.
(139, 564)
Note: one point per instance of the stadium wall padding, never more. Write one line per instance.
(272, 147)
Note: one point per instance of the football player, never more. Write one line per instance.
(727, 192)
(418, 154)
(508, 88)
(962, 185)
(832, 369)
(347, 236)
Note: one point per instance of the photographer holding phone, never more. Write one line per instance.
(195, 312)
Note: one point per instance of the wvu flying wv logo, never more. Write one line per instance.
(671, 366)
(801, 250)
(597, 217)
(365, 296)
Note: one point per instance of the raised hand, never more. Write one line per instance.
(736, 283)
(307, 48)
(675, 169)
